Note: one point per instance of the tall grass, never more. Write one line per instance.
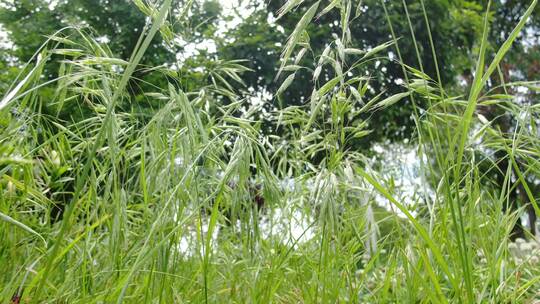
(112, 208)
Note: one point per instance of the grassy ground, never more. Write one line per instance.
(113, 208)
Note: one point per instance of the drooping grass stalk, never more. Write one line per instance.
(110, 107)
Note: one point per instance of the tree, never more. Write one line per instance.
(117, 25)
(451, 32)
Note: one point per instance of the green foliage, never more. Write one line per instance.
(125, 180)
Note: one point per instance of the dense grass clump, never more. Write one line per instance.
(194, 200)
